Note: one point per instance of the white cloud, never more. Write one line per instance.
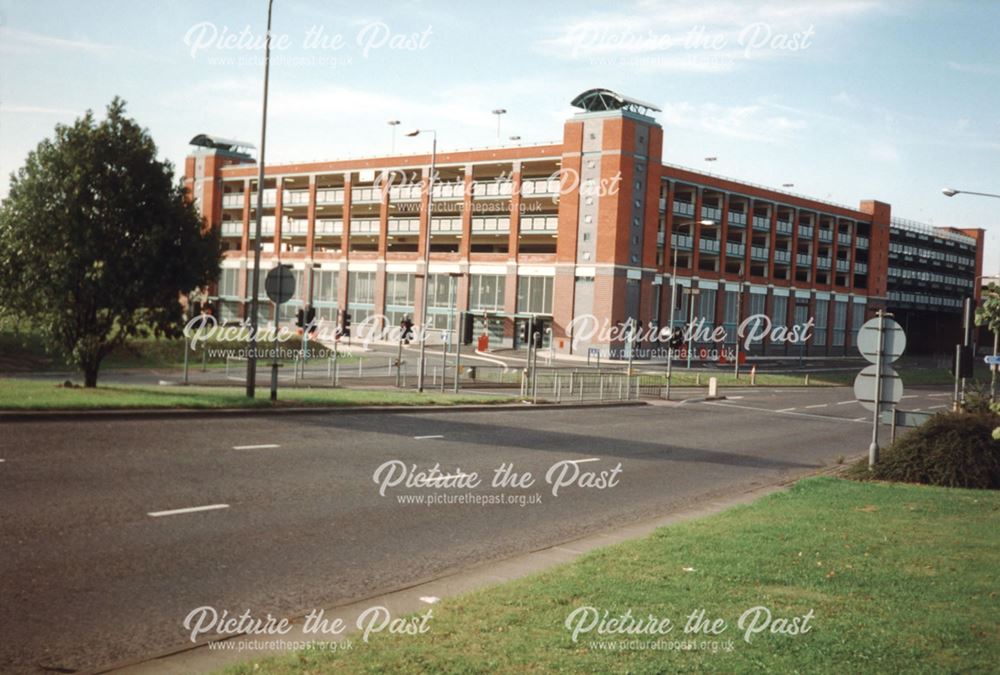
(976, 68)
(21, 41)
(698, 37)
(882, 151)
(752, 122)
(14, 108)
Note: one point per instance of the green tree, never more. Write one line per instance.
(988, 314)
(98, 243)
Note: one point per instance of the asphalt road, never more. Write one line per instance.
(89, 578)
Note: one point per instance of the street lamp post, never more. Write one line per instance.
(393, 124)
(427, 254)
(252, 358)
(951, 192)
(673, 300)
(498, 112)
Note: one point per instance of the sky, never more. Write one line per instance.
(845, 99)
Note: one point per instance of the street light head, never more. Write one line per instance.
(415, 132)
(499, 111)
(949, 192)
(711, 159)
(393, 123)
(515, 138)
(707, 222)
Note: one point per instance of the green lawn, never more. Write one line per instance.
(24, 352)
(16, 394)
(898, 578)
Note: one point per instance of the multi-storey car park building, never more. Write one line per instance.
(593, 225)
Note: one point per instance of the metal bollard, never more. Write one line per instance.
(600, 387)
(558, 390)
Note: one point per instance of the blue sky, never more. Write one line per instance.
(847, 99)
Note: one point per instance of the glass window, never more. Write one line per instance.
(361, 288)
(534, 295)
(779, 311)
(486, 292)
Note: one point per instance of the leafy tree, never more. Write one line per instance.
(988, 314)
(98, 243)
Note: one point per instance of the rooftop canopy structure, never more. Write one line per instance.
(601, 100)
(223, 144)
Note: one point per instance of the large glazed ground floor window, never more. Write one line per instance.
(534, 295)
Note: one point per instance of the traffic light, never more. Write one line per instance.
(467, 319)
(964, 366)
(345, 324)
(676, 338)
(525, 332)
(537, 331)
(300, 319)
(310, 319)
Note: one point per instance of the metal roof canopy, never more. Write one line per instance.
(219, 143)
(600, 100)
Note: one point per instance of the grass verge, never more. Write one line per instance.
(18, 394)
(899, 579)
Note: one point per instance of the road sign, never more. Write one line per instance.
(906, 418)
(280, 284)
(893, 340)
(891, 386)
(992, 360)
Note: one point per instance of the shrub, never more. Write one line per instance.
(950, 450)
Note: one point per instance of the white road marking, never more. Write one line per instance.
(2, 460)
(829, 418)
(846, 402)
(937, 395)
(861, 419)
(935, 407)
(818, 405)
(193, 509)
(256, 447)
(909, 396)
(734, 398)
(422, 438)
(581, 461)
(429, 599)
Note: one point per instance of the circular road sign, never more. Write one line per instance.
(280, 284)
(864, 387)
(893, 340)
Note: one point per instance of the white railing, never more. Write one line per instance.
(330, 196)
(539, 223)
(232, 228)
(364, 226)
(366, 194)
(486, 224)
(492, 188)
(446, 225)
(540, 186)
(683, 208)
(404, 193)
(681, 241)
(328, 227)
(232, 200)
(404, 225)
(759, 252)
(709, 245)
(862, 242)
(449, 191)
(761, 223)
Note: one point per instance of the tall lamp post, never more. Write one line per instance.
(427, 253)
(252, 359)
(951, 192)
(498, 112)
(673, 301)
(393, 124)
